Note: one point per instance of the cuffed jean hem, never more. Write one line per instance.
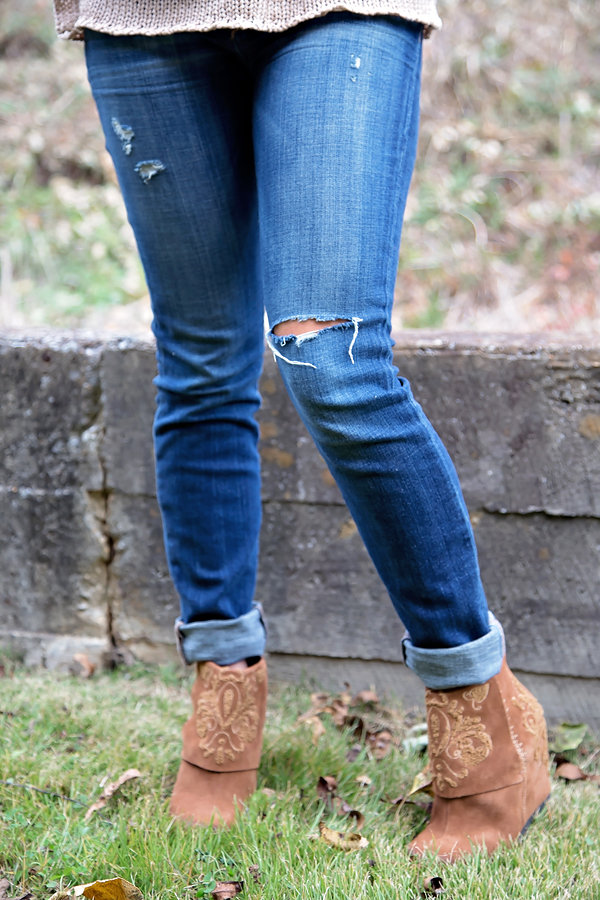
(222, 641)
(453, 667)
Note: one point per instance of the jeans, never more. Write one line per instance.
(270, 171)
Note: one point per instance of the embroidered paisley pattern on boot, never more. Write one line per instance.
(488, 755)
(222, 741)
(533, 721)
(457, 741)
(227, 714)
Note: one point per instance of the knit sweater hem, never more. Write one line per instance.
(118, 18)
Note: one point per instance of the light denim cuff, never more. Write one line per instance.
(222, 641)
(453, 667)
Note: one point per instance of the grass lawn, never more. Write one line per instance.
(64, 738)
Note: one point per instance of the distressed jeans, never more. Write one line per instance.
(270, 171)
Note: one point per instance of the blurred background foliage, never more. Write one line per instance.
(502, 231)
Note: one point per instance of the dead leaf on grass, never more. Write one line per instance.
(87, 666)
(380, 744)
(570, 772)
(326, 790)
(343, 840)
(326, 786)
(108, 889)
(269, 792)
(109, 791)
(338, 710)
(433, 886)
(224, 890)
(422, 783)
(4, 886)
(317, 727)
(403, 799)
(355, 814)
(318, 703)
(354, 751)
(255, 874)
(365, 698)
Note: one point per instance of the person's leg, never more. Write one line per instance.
(335, 124)
(179, 107)
(176, 115)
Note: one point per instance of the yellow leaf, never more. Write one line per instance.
(109, 889)
(343, 840)
(423, 782)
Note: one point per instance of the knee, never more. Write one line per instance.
(324, 344)
(297, 327)
(324, 367)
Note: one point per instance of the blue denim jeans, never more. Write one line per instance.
(270, 171)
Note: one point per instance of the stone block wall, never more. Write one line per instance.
(82, 567)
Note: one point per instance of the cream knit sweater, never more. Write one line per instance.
(168, 16)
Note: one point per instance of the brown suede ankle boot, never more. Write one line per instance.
(488, 756)
(222, 741)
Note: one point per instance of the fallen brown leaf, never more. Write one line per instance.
(326, 787)
(359, 819)
(224, 890)
(357, 725)
(402, 800)
(338, 711)
(365, 698)
(269, 792)
(319, 702)
(108, 889)
(354, 751)
(433, 886)
(109, 791)
(317, 727)
(343, 840)
(326, 790)
(4, 886)
(320, 699)
(380, 744)
(255, 874)
(570, 772)
(87, 666)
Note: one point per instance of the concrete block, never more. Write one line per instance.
(520, 416)
(541, 575)
(142, 599)
(49, 416)
(53, 563)
(319, 588)
(127, 370)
